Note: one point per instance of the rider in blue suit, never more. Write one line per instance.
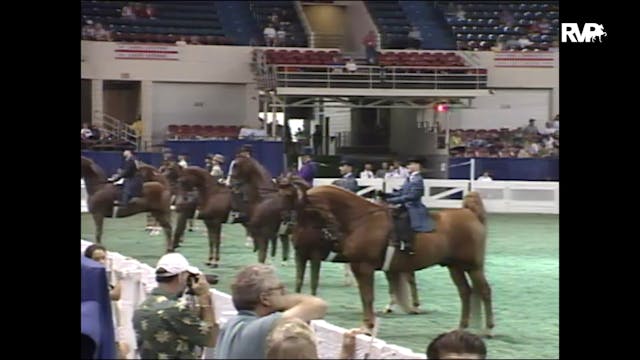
(409, 197)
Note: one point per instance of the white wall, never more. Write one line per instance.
(202, 104)
(506, 108)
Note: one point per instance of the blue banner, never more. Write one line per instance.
(526, 169)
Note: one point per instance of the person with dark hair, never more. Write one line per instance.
(132, 182)
(308, 169)
(260, 298)
(166, 325)
(348, 180)
(457, 344)
(97, 252)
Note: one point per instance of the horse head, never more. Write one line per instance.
(293, 187)
(90, 170)
(249, 170)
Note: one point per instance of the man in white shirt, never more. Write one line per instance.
(367, 173)
(351, 66)
(269, 35)
(485, 177)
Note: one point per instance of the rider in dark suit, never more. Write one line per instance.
(128, 172)
(348, 180)
(409, 197)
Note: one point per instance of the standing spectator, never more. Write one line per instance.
(367, 173)
(384, 169)
(216, 167)
(260, 299)
(370, 43)
(182, 161)
(281, 36)
(531, 129)
(317, 140)
(485, 177)
(457, 344)
(269, 35)
(415, 38)
(308, 169)
(166, 326)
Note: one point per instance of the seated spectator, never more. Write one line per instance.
(294, 339)
(367, 173)
(531, 129)
(485, 177)
(384, 169)
(101, 33)
(415, 38)
(524, 41)
(85, 132)
(127, 12)
(351, 66)
(97, 252)
(269, 35)
(260, 299)
(457, 344)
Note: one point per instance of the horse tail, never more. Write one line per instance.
(400, 290)
(473, 202)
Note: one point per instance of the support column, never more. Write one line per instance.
(97, 102)
(265, 111)
(146, 112)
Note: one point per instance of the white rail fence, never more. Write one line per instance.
(138, 279)
(538, 197)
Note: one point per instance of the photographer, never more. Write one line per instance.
(166, 326)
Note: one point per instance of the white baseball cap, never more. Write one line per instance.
(174, 264)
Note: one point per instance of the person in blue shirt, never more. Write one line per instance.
(348, 180)
(413, 215)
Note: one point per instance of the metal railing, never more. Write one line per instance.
(380, 77)
(118, 129)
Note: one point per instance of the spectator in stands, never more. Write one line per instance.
(127, 12)
(216, 167)
(457, 344)
(274, 19)
(85, 132)
(97, 252)
(524, 41)
(455, 140)
(531, 129)
(150, 11)
(269, 35)
(260, 299)
(351, 66)
(399, 171)
(101, 33)
(415, 38)
(308, 169)
(485, 177)
(367, 173)
(137, 126)
(506, 18)
(460, 13)
(281, 36)
(166, 324)
(293, 338)
(370, 43)
(182, 161)
(545, 26)
(384, 169)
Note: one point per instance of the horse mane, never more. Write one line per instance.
(203, 175)
(349, 205)
(473, 202)
(259, 177)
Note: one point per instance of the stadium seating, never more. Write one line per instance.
(202, 131)
(392, 23)
(287, 16)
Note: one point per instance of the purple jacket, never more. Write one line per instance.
(308, 172)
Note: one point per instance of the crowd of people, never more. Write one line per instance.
(525, 142)
(275, 31)
(178, 318)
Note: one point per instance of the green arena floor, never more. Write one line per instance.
(522, 268)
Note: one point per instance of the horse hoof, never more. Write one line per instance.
(387, 310)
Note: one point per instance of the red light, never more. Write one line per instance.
(442, 107)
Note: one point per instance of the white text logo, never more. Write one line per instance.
(589, 33)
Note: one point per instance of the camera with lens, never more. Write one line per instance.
(193, 279)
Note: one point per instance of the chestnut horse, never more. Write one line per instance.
(265, 217)
(187, 207)
(102, 194)
(458, 243)
(213, 204)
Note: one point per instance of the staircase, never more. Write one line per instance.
(436, 33)
(117, 130)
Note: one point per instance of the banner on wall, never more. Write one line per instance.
(526, 59)
(147, 52)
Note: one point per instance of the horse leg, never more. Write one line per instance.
(261, 244)
(464, 290)
(98, 220)
(414, 289)
(348, 277)
(181, 224)
(301, 266)
(481, 286)
(274, 245)
(163, 219)
(364, 275)
(315, 274)
(389, 308)
(191, 225)
(284, 241)
(213, 232)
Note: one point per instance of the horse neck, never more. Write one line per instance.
(346, 207)
(94, 183)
